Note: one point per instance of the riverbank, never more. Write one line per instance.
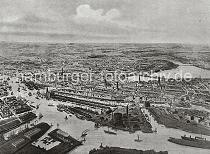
(170, 121)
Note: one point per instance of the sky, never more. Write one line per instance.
(111, 21)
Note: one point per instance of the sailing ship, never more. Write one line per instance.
(138, 139)
(84, 133)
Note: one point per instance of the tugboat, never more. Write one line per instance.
(110, 132)
(84, 134)
(137, 140)
(197, 142)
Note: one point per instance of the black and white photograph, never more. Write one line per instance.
(104, 76)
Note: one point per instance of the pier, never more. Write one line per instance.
(67, 144)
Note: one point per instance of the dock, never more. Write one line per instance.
(67, 144)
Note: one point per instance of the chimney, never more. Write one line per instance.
(159, 80)
(62, 71)
(127, 110)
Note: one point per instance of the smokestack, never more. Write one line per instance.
(62, 71)
(105, 83)
(159, 80)
(127, 110)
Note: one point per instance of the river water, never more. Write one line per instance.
(183, 70)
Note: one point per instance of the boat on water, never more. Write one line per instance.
(197, 142)
(138, 139)
(155, 131)
(37, 106)
(84, 133)
(50, 104)
(97, 125)
(32, 106)
(40, 116)
(110, 132)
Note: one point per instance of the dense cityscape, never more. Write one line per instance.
(104, 98)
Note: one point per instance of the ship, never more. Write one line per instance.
(138, 139)
(50, 104)
(37, 106)
(40, 116)
(155, 131)
(197, 142)
(97, 125)
(37, 97)
(84, 133)
(110, 132)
